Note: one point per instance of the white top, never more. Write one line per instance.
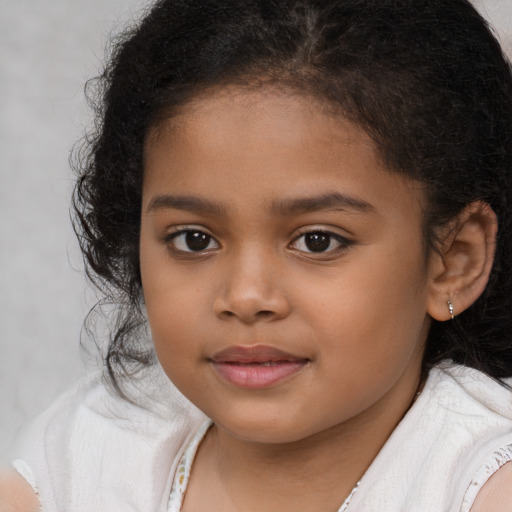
(94, 451)
(182, 474)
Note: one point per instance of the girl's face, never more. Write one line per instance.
(284, 268)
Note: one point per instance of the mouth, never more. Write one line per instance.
(258, 366)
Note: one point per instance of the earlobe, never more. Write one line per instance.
(460, 267)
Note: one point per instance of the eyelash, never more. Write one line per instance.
(204, 238)
(170, 241)
(343, 243)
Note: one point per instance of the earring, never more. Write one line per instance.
(450, 308)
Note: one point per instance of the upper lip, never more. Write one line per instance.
(253, 354)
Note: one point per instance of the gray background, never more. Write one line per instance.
(47, 52)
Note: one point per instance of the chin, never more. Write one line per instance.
(266, 430)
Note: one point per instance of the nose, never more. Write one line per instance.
(252, 291)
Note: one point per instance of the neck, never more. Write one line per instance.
(315, 473)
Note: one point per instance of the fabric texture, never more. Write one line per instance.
(95, 451)
(184, 468)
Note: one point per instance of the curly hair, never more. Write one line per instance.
(425, 78)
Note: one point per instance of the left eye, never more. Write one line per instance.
(192, 240)
(319, 242)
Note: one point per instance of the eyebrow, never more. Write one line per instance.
(334, 201)
(193, 204)
(330, 201)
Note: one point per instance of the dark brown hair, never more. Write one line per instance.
(425, 78)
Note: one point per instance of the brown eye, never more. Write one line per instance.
(197, 241)
(320, 242)
(192, 240)
(317, 242)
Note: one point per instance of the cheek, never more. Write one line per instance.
(164, 296)
(174, 314)
(373, 314)
(176, 306)
(174, 327)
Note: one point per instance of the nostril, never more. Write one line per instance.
(249, 307)
(264, 314)
(259, 315)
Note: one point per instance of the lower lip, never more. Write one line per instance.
(255, 376)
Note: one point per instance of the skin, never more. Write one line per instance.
(496, 494)
(16, 495)
(357, 313)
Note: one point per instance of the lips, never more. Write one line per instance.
(256, 366)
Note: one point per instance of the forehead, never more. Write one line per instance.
(262, 144)
(265, 112)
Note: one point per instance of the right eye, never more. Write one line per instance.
(191, 241)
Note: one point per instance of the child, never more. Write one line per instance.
(308, 203)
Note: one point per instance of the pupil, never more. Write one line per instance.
(197, 241)
(317, 242)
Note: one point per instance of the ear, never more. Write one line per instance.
(459, 269)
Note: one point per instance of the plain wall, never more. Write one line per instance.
(48, 50)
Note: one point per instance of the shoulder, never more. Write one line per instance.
(467, 391)
(85, 451)
(484, 410)
(16, 495)
(496, 494)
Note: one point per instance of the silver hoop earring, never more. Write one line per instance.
(450, 308)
